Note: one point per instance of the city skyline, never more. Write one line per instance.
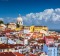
(33, 12)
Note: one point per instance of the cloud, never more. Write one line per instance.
(9, 19)
(1, 19)
(52, 15)
(48, 17)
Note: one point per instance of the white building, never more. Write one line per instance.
(50, 50)
(20, 20)
(25, 41)
(3, 40)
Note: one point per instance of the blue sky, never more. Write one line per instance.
(10, 9)
(14, 7)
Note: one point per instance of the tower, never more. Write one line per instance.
(19, 20)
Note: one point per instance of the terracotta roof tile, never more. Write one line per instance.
(18, 54)
(7, 54)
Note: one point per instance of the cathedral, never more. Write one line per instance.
(19, 20)
(33, 28)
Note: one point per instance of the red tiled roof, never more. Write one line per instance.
(4, 46)
(52, 37)
(18, 45)
(32, 55)
(28, 34)
(18, 54)
(41, 41)
(7, 54)
(1, 26)
(10, 54)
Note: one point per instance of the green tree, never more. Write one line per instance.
(1, 22)
(17, 25)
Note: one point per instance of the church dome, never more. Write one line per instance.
(19, 19)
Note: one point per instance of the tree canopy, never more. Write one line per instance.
(17, 25)
(1, 22)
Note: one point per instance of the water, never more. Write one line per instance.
(56, 31)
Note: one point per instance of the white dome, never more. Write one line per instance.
(19, 19)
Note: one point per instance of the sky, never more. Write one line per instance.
(33, 12)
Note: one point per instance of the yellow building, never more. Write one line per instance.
(27, 27)
(2, 27)
(31, 28)
(38, 28)
(45, 28)
(35, 28)
(17, 29)
(20, 28)
(12, 26)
